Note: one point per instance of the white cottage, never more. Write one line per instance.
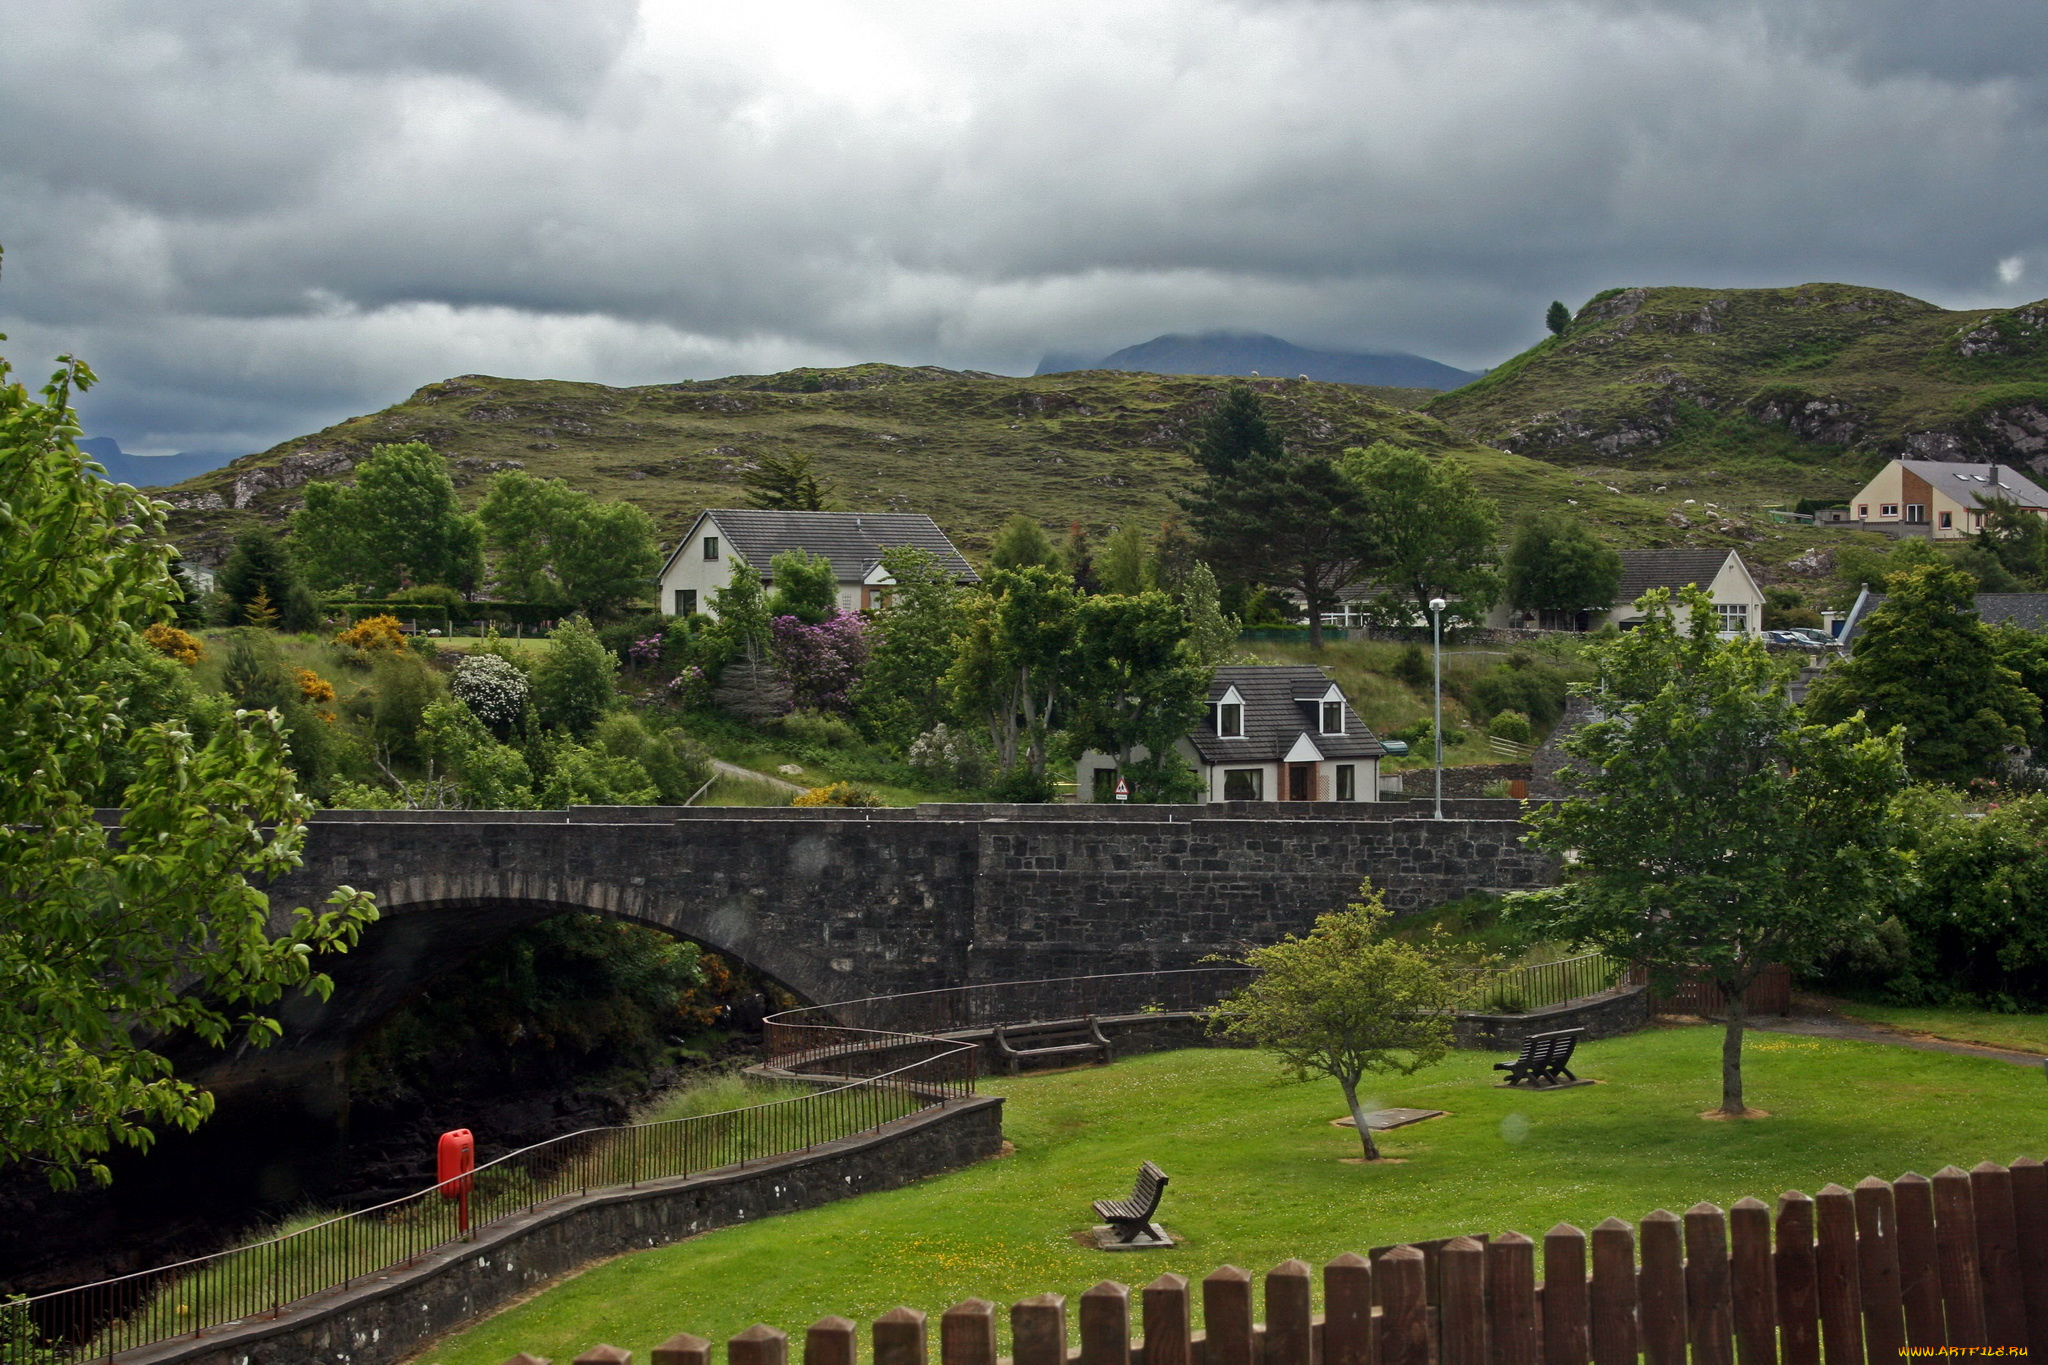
(854, 541)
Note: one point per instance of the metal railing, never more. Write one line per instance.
(881, 1077)
(1541, 984)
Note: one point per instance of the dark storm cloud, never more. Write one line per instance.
(257, 218)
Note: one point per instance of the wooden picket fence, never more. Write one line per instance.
(1863, 1275)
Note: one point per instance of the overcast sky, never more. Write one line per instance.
(255, 217)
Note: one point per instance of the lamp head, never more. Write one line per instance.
(1437, 604)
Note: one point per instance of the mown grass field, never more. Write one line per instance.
(2020, 1032)
(1260, 1175)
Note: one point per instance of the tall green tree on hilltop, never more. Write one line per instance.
(399, 524)
(1434, 532)
(1711, 830)
(116, 939)
(1557, 318)
(1923, 662)
(1124, 566)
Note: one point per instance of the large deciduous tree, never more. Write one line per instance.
(1434, 533)
(902, 692)
(398, 525)
(115, 939)
(1557, 564)
(559, 545)
(1347, 1002)
(1712, 831)
(1925, 663)
(1014, 665)
(1136, 683)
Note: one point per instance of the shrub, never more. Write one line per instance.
(1413, 667)
(817, 730)
(429, 595)
(404, 686)
(1511, 725)
(174, 643)
(838, 794)
(822, 662)
(253, 674)
(949, 757)
(574, 684)
(312, 687)
(671, 760)
(493, 688)
(373, 634)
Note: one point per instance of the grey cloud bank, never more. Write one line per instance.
(257, 218)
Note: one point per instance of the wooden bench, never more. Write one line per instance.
(1051, 1038)
(1545, 1058)
(1132, 1217)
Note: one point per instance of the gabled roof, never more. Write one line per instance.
(1274, 721)
(853, 541)
(2027, 610)
(1642, 570)
(1972, 486)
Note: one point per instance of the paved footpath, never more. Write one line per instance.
(1836, 1026)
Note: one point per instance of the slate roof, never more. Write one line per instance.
(1970, 484)
(853, 541)
(2027, 610)
(1642, 570)
(1280, 706)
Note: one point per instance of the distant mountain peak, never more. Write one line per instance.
(1246, 353)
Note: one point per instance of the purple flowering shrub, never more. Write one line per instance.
(821, 663)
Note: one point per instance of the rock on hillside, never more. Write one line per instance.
(970, 449)
(1670, 377)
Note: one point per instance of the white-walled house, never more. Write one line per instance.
(702, 561)
(1273, 732)
(1939, 499)
(1738, 601)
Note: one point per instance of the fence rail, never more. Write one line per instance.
(1542, 984)
(1957, 1262)
(881, 1077)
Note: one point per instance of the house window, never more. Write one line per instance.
(1916, 512)
(710, 547)
(686, 601)
(1105, 784)
(1734, 617)
(1887, 509)
(1333, 717)
(1948, 521)
(1244, 784)
(1230, 722)
(1347, 782)
(1863, 511)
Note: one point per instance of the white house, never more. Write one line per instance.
(1738, 601)
(1939, 499)
(702, 561)
(1273, 732)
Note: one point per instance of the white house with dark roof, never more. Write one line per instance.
(1738, 601)
(2025, 610)
(1273, 732)
(1939, 499)
(702, 561)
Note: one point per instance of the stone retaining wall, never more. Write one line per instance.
(1606, 1015)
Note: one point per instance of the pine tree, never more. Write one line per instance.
(1558, 318)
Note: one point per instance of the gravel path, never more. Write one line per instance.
(1836, 1026)
(735, 770)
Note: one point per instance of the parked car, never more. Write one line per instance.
(1813, 636)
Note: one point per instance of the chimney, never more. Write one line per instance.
(1994, 476)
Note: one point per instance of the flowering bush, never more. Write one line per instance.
(644, 652)
(179, 645)
(838, 794)
(492, 688)
(949, 757)
(313, 687)
(690, 688)
(373, 633)
(821, 663)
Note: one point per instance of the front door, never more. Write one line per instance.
(1301, 782)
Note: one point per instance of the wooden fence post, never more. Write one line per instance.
(1877, 1270)
(761, 1345)
(967, 1334)
(1566, 1315)
(1955, 1244)
(605, 1355)
(1227, 1316)
(1105, 1325)
(1998, 1255)
(1461, 1303)
(1751, 1283)
(2030, 1224)
(1660, 1313)
(899, 1337)
(1798, 1287)
(1404, 1309)
(1841, 1308)
(1168, 1329)
(1038, 1329)
(684, 1349)
(1614, 1293)
(1511, 1298)
(1919, 1260)
(1709, 1313)
(1347, 1313)
(1290, 1314)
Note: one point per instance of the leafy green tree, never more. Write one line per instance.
(259, 566)
(403, 686)
(1023, 544)
(675, 765)
(1077, 557)
(1923, 662)
(1557, 318)
(742, 611)
(1434, 532)
(397, 525)
(1175, 556)
(787, 483)
(2019, 539)
(1558, 564)
(902, 690)
(1269, 515)
(1125, 566)
(1136, 684)
(1212, 634)
(1348, 1001)
(805, 586)
(558, 544)
(612, 558)
(1716, 833)
(487, 775)
(116, 939)
(577, 681)
(586, 775)
(1015, 659)
(2025, 652)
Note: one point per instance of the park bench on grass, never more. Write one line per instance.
(1132, 1218)
(1051, 1038)
(1545, 1058)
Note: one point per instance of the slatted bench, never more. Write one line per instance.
(1132, 1217)
(1545, 1058)
(1078, 1039)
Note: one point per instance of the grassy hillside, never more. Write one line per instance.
(1809, 388)
(970, 449)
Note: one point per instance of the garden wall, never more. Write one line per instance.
(1606, 1015)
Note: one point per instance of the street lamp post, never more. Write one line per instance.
(1436, 617)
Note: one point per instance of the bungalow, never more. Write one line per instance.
(1280, 732)
(1738, 601)
(1939, 499)
(2025, 610)
(702, 561)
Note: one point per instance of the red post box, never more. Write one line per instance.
(455, 1160)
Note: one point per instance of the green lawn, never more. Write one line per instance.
(1258, 1176)
(2021, 1032)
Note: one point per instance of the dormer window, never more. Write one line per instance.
(1333, 717)
(1230, 720)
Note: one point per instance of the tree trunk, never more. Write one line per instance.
(1372, 1149)
(1731, 1053)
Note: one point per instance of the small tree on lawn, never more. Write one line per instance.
(1347, 1002)
(1717, 833)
